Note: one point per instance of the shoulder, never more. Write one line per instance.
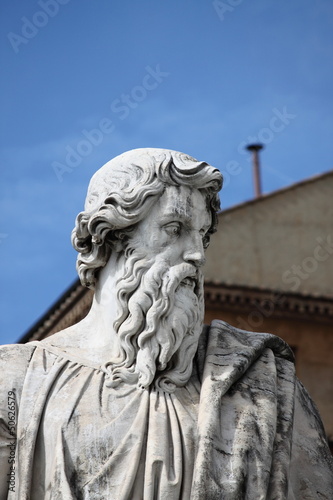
(14, 361)
(229, 336)
(20, 354)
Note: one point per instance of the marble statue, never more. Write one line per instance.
(140, 401)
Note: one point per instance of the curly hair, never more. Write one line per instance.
(121, 194)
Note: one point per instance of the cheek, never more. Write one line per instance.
(155, 247)
(153, 243)
(162, 251)
(156, 243)
(156, 240)
(146, 238)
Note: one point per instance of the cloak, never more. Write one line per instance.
(242, 428)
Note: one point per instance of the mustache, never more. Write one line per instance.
(178, 274)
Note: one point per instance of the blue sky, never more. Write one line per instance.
(83, 81)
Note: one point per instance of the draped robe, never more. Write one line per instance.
(243, 427)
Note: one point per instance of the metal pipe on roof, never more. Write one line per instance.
(255, 148)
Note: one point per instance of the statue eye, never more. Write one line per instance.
(173, 229)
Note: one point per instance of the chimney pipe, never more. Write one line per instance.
(255, 148)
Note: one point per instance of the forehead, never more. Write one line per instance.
(184, 202)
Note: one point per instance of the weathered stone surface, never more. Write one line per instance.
(139, 400)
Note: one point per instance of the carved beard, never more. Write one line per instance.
(160, 321)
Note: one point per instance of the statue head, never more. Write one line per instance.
(121, 194)
(160, 294)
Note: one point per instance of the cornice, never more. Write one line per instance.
(220, 296)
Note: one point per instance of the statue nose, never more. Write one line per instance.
(195, 258)
(195, 254)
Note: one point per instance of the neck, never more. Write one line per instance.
(103, 312)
